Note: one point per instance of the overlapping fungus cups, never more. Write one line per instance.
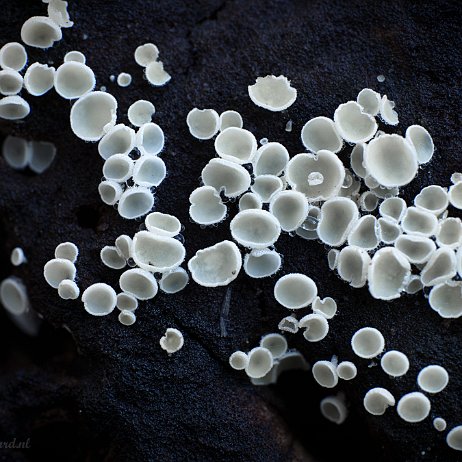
(315, 327)
(57, 270)
(139, 283)
(353, 264)
(275, 343)
(260, 362)
(162, 224)
(120, 139)
(135, 202)
(111, 257)
(118, 168)
(236, 145)
(354, 124)
(206, 206)
(40, 32)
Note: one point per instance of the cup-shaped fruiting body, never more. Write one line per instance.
(433, 199)
(440, 425)
(368, 201)
(332, 258)
(120, 139)
(124, 79)
(118, 168)
(230, 119)
(14, 108)
(157, 254)
(288, 324)
(440, 267)
(146, 54)
(395, 363)
(388, 230)
(272, 93)
(162, 224)
(326, 307)
(422, 141)
(13, 56)
(338, 216)
(238, 360)
(126, 302)
(127, 318)
(275, 343)
(140, 112)
(446, 299)
(433, 379)
(295, 291)
(57, 270)
(57, 11)
(10, 82)
(369, 100)
(292, 360)
(262, 263)
(393, 208)
(250, 201)
(76, 56)
(367, 342)
(346, 370)
(377, 400)
(156, 74)
(454, 438)
(42, 155)
(206, 207)
(16, 152)
(319, 176)
(267, 186)
(236, 145)
(270, 159)
(320, 134)
(413, 285)
(99, 299)
(39, 79)
(364, 233)
(417, 249)
(17, 257)
(290, 208)
(357, 160)
(391, 160)
(353, 265)
(333, 409)
(40, 32)
(73, 80)
(203, 124)
(150, 139)
(111, 257)
(149, 171)
(449, 233)
(13, 296)
(455, 195)
(110, 192)
(354, 124)
(226, 176)
(93, 115)
(68, 290)
(315, 327)
(217, 265)
(387, 112)
(174, 281)
(260, 362)
(139, 283)
(325, 373)
(67, 250)
(172, 341)
(413, 407)
(255, 229)
(135, 202)
(124, 245)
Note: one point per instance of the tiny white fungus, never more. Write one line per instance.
(118, 168)
(455, 195)
(236, 145)
(295, 291)
(388, 230)
(141, 112)
(73, 80)
(315, 327)
(238, 360)
(174, 281)
(319, 134)
(266, 187)
(422, 141)
(124, 79)
(433, 379)
(150, 139)
(367, 342)
(262, 263)
(327, 307)
(224, 175)
(272, 93)
(58, 269)
(260, 362)
(149, 171)
(325, 373)
(289, 324)
(395, 363)
(377, 400)
(332, 258)
(364, 233)
(416, 249)
(353, 124)
(270, 159)
(156, 74)
(162, 224)
(146, 54)
(433, 199)
(76, 56)
(368, 201)
(172, 341)
(13, 296)
(439, 424)
(353, 265)
(387, 112)
(57, 11)
(440, 267)
(139, 283)
(346, 370)
(39, 79)
(68, 290)
(357, 160)
(230, 119)
(203, 124)
(381, 78)
(40, 32)
(111, 257)
(67, 250)
(206, 206)
(127, 318)
(42, 154)
(110, 192)
(124, 245)
(126, 302)
(99, 299)
(393, 208)
(290, 208)
(120, 139)
(10, 82)
(446, 299)
(250, 201)
(14, 108)
(413, 285)
(454, 438)
(17, 257)
(13, 56)
(275, 343)
(413, 407)
(449, 233)
(369, 100)
(333, 409)
(135, 202)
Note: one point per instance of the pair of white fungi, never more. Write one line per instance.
(204, 124)
(147, 56)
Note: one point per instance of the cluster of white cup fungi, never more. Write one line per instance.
(147, 56)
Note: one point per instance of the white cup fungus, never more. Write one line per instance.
(124, 245)
(338, 216)
(290, 208)
(393, 208)
(353, 265)
(156, 74)
(203, 124)
(433, 379)
(57, 11)
(413, 407)
(236, 145)
(93, 115)
(333, 409)
(111, 257)
(58, 269)
(320, 134)
(172, 341)
(14, 108)
(157, 254)
(377, 400)
(325, 373)
(238, 360)
(226, 176)
(39, 79)
(369, 100)
(141, 112)
(146, 54)
(120, 139)
(73, 80)
(270, 159)
(68, 290)
(250, 200)
(439, 424)
(217, 265)
(391, 160)
(127, 318)
(40, 32)
(454, 438)
(149, 171)
(332, 258)
(139, 283)
(76, 56)
(364, 233)
(295, 291)
(288, 324)
(275, 343)
(326, 307)
(174, 281)
(353, 124)
(99, 299)
(262, 263)
(162, 224)
(260, 362)
(383, 192)
(150, 139)
(388, 230)
(16, 152)
(126, 302)
(449, 233)
(328, 170)
(433, 199)
(413, 285)
(13, 56)
(230, 119)
(135, 202)
(422, 141)
(17, 257)
(315, 327)
(346, 370)
(440, 267)
(272, 93)
(368, 201)
(387, 112)
(118, 168)
(110, 192)
(388, 273)
(416, 249)
(42, 154)
(124, 79)
(67, 250)
(206, 207)
(395, 363)
(367, 342)
(357, 160)
(266, 187)
(292, 360)
(446, 299)
(13, 296)
(455, 195)
(10, 82)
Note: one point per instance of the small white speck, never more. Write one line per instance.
(381, 78)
